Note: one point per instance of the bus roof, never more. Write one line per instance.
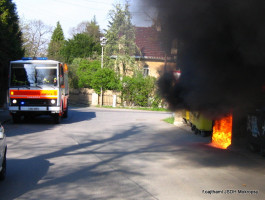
(35, 62)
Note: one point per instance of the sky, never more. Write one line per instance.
(70, 13)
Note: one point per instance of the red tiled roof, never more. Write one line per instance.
(147, 40)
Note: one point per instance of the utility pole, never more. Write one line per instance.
(103, 41)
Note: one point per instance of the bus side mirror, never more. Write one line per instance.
(61, 75)
(61, 81)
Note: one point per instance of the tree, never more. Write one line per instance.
(90, 28)
(56, 43)
(35, 38)
(10, 40)
(81, 46)
(121, 39)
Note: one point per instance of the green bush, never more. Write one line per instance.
(138, 90)
(106, 79)
(86, 71)
(156, 101)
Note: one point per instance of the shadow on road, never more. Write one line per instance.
(25, 175)
(46, 119)
(44, 123)
(198, 152)
(185, 149)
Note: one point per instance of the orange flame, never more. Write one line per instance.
(222, 132)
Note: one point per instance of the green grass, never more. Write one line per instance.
(169, 120)
(137, 108)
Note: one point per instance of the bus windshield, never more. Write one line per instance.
(24, 74)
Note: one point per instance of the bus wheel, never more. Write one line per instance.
(16, 118)
(57, 118)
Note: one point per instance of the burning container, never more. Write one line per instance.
(222, 132)
(185, 116)
(256, 131)
(200, 124)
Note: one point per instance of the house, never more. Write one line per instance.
(152, 58)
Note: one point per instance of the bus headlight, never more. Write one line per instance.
(14, 101)
(53, 101)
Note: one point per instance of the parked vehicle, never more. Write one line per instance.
(256, 131)
(38, 86)
(3, 149)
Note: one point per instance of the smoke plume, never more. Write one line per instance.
(221, 54)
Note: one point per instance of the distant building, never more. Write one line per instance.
(152, 58)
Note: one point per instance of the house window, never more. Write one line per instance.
(146, 70)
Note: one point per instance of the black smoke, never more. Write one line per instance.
(221, 54)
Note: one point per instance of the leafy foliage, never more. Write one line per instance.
(138, 90)
(81, 46)
(157, 101)
(73, 77)
(56, 43)
(106, 79)
(10, 40)
(86, 72)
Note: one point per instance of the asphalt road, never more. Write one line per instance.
(103, 154)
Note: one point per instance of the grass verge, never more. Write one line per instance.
(169, 120)
(137, 108)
